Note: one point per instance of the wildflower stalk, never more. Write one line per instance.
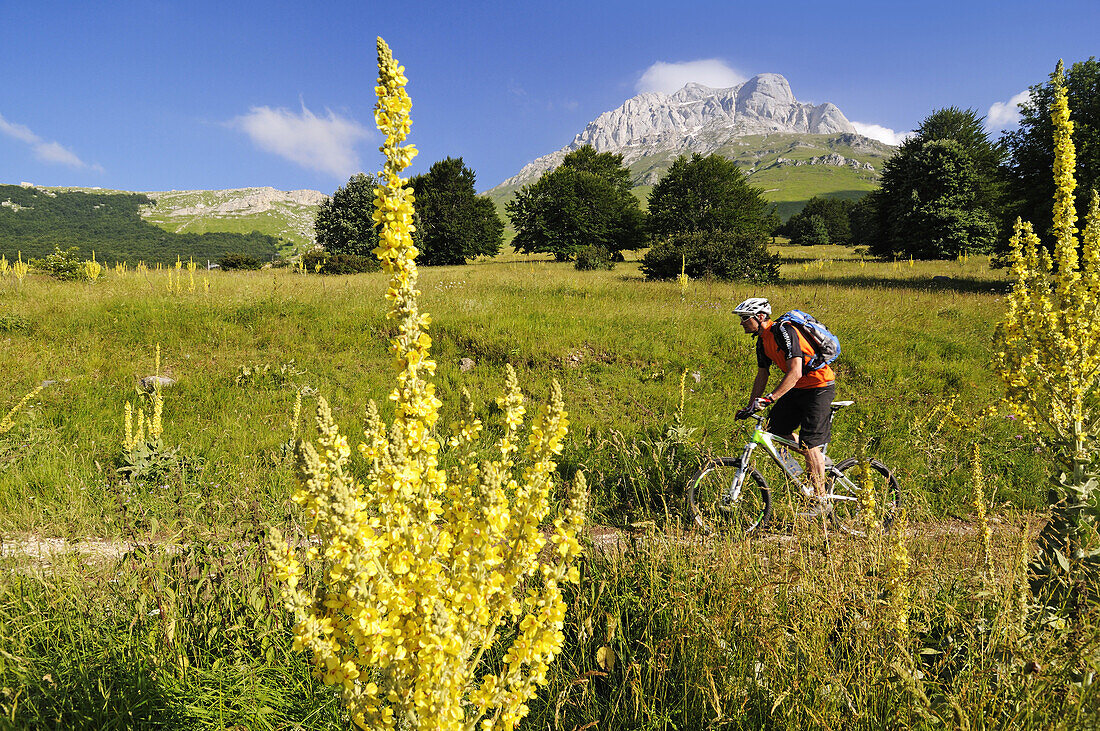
(869, 511)
(141, 442)
(92, 269)
(898, 592)
(420, 573)
(8, 422)
(1049, 357)
(20, 268)
(977, 483)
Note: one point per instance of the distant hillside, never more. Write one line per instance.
(284, 215)
(35, 220)
(791, 149)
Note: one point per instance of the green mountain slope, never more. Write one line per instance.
(791, 168)
(35, 220)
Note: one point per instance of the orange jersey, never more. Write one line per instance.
(778, 347)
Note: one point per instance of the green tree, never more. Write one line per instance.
(967, 128)
(454, 224)
(345, 221)
(810, 231)
(1031, 146)
(833, 215)
(586, 201)
(940, 196)
(712, 255)
(706, 194)
(863, 219)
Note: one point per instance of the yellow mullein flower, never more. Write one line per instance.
(978, 483)
(898, 591)
(20, 268)
(422, 571)
(1048, 348)
(8, 422)
(92, 269)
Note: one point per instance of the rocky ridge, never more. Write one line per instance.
(701, 119)
(287, 214)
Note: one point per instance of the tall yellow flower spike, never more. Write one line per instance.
(92, 269)
(20, 268)
(1049, 357)
(8, 422)
(1050, 338)
(421, 570)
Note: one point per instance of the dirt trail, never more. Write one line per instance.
(40, 551)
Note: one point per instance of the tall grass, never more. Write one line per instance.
(667, 631)
(664, 632)
(616, 343)
(769, 634)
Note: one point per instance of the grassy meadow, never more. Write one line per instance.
(669, 630)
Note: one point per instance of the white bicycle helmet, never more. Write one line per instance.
(753, 306)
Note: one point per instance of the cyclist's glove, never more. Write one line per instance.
(755, 405)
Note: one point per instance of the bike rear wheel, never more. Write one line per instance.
(715, 510)
(849, 493)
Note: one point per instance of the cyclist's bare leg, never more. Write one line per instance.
(815, 465)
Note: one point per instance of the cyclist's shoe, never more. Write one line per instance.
(817, 507)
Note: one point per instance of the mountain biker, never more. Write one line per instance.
(802, 399)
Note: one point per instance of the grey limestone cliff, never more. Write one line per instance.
(699, 119)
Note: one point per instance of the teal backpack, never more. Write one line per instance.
(826, 345)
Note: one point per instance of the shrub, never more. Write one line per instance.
(239, 261)
(66, 265)
(338, 263)
(590, 258)
(714, 254)
(810, 231)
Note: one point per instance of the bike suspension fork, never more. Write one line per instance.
(742, 470)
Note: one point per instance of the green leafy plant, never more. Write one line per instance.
(144, 456)
(255, 375)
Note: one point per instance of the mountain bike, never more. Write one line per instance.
(729, 494)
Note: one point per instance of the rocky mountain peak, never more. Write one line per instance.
(765, 90)
(697, 118)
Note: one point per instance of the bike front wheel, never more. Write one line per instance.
(716, 509)
(857, 497)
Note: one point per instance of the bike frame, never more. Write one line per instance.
(771, 443)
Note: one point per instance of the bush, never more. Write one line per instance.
(66, 265)
(713, 254)
(338, 263)
(810, 231)
(239, 261)
(590, 258)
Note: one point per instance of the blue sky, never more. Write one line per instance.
(198, 95)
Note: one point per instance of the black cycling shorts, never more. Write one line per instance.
(805, 409)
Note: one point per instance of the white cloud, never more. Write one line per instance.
(880, 133)
(326, 144)
(668, 78)
(1005, 114)
(52, 152)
